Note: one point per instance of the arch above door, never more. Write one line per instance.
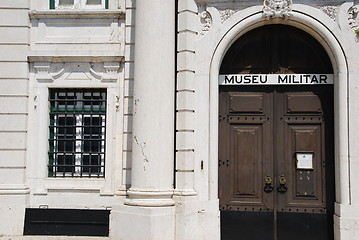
(241, 23)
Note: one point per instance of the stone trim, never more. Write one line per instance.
(71, 57)
(106, 13)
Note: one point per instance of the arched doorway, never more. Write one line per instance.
(276, 147)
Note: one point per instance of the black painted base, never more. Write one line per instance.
(70, 222)
(290, 226)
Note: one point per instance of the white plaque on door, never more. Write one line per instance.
(304, 160)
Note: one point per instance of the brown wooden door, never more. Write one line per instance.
(263, 192)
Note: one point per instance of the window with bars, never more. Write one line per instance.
(77, 132)
(78, 4)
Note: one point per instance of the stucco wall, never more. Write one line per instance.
(13, 113)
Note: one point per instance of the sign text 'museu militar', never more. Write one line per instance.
(276, 79)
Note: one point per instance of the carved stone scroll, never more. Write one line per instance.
(206, 20)
(353, 18)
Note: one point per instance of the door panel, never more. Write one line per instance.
(305, 186)
(246, 174)
(303, 102)
(246, 102)
(244, 159)
(305, 182)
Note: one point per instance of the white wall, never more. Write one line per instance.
(13, 113)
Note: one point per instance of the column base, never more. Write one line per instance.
(145, 223)
(145, 198)
(196, 219)
(346, 222)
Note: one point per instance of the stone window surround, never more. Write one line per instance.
(98, 72)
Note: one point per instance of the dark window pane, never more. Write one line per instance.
(66, 146)
(92, 125)
(92, 146)
(91, 164)
(65, 164)
(66, 2)
(93, 2)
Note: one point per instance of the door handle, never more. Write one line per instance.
(268, 188)
(282, 184)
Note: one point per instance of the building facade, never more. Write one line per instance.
(187, 119)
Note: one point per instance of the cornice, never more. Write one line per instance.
(85, 14)
(100, 57)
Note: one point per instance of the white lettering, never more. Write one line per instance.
(275, 79)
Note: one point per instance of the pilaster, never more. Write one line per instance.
(188, 23)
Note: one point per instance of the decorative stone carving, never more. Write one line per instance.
(227, 13)
(331, 11)
(42, 72)
(353, 17)
(49, 72)
(277, 8)
(206, 20)
(111, 71)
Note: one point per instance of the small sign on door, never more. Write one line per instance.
(304, 160)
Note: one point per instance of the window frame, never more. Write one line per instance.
(71, 140)
(79, 4)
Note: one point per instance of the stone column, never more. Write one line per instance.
(148, 212)
(153, 110)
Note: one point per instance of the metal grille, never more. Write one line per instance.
(77, 132)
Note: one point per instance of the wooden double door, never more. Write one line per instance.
(276, 164)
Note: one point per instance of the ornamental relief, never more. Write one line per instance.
(277, 8)
(49, 72)
(206, 20)
(330, 10)
(353, 18)
(225, 14)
